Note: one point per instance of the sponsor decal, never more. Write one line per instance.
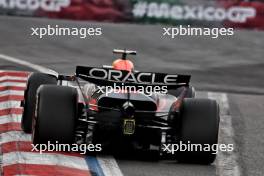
(184, 12)
(32, 5)
(137, 77)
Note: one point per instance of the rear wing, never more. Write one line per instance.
(111, 77)
(119, 51)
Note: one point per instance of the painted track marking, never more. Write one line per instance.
(226, 162)
(10, 130)
(27, 64)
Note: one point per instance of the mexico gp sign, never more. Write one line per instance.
(164, 10)
(32, 5)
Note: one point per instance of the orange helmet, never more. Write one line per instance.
(121, 64)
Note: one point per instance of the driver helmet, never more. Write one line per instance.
(121, 64)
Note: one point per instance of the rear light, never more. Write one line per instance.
(93, 104)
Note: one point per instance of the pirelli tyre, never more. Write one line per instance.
(56, 115)
(177, 92)
(33, 83)
(199, 124)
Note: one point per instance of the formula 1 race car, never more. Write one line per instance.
(120, 106)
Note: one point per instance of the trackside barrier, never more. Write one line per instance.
(211, 13)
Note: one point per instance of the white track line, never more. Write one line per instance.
(27, 64)
(108, 164)
(11, 92)
(3, 84)
(13, 78)
(10, 118)
(226, 162)
(14, 136)
(9, 104)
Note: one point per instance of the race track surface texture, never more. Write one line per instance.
(233, 65)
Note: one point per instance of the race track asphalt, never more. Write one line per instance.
(234, 65)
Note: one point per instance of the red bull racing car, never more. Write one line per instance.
(120, 106)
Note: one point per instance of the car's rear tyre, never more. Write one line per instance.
(33, 83)
(199, 125)
(56, 115)
(177, 92)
